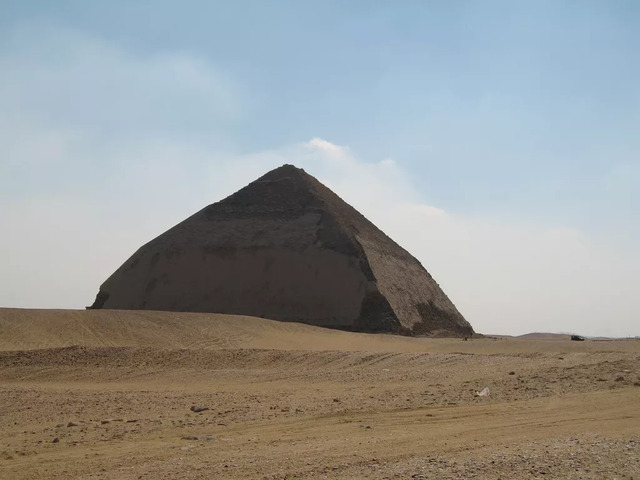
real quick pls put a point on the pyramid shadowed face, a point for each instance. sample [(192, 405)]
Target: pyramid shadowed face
[(285, 247)]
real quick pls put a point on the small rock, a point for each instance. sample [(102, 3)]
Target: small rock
[(104, 422), (337, 400), (512, 372), (620, 379), (636, 384), (71, 424), (133, 420), (195, 437), (485, 392), (55, 440), (197, 409)]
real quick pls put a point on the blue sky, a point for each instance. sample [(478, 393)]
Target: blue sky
[(514, 119)]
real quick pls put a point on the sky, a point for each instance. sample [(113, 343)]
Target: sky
[(497, 141)]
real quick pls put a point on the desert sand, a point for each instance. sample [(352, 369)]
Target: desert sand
[(109, 394)]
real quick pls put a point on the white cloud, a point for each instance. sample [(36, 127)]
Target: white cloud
[(328, 148)]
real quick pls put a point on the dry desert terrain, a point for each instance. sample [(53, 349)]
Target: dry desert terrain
[(109, 394)]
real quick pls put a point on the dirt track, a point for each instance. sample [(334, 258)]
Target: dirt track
[(293, 401)]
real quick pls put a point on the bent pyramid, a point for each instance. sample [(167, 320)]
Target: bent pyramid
[(285, 247)]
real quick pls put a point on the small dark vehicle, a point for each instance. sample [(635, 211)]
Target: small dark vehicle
[(577, 338)]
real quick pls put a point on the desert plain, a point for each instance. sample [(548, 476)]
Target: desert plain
[(108, 394)]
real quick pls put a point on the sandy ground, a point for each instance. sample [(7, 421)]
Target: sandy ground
[(108, 395)]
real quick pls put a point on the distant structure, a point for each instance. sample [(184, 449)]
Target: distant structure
[(285, 247)]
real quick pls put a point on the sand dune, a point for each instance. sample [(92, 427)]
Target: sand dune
[(22, 329), (27, 329)]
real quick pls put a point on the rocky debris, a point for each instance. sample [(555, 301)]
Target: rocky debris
[(72, 424), (592, 458), (55, 440)]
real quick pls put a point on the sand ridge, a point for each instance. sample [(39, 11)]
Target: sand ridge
[(24, 329)]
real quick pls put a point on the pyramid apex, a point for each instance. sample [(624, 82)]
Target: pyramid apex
[(289, 166), (283, 171)]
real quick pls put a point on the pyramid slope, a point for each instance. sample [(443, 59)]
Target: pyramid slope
[(285, 247)]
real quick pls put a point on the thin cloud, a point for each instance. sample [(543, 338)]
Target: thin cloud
[(64, 77)]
